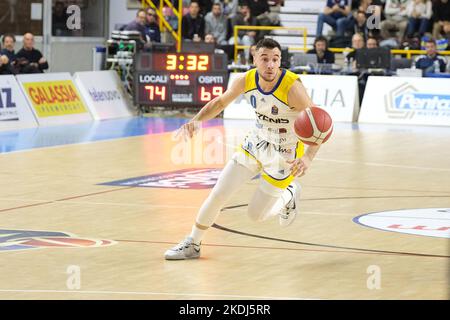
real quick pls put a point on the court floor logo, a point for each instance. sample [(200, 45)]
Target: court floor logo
[(406, 102), (430, 222), (12, 240), (182, 179)]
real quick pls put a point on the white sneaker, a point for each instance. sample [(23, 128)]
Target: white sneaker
[(290, 210), (186, 249)]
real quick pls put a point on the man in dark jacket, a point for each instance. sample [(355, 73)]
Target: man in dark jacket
[(29, 59), (321, 50), (193, 23), (152, 28), (7, 55)]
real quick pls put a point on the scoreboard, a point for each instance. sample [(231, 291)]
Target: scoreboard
[(179, 79)]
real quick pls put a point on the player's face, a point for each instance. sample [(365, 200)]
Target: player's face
[(268, 62)]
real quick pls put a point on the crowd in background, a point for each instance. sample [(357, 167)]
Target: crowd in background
[(26, 60), (404, 24)]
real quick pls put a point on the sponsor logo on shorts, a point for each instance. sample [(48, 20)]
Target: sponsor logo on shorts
[(406, 102), (182, 179), (12, 240), (430, 222)]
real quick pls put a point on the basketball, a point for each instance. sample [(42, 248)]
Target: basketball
[(313, 126)]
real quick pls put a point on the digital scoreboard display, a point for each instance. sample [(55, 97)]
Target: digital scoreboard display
[(179, 79)]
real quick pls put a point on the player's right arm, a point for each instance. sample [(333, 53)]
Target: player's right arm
[(214, 107)]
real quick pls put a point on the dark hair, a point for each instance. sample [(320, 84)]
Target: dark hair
[(8, 35), (267, 43), (321, 39), (373, 38)]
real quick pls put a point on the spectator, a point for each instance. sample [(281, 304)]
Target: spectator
[(209, 38), (357, 43), (372, 43), (9, 42), (4, 65), (216, 23), (152, 32), (29, 59), (244, 18), (441, 18), (360, 24), (321, 50), (261, 11), (427, 62), (59, 20), (419, 12), (230, 8), (193, 23), (337, 14), (396, 20), (138, 24)]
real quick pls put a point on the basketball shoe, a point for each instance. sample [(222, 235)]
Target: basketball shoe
[(186, 249), (291, 209)]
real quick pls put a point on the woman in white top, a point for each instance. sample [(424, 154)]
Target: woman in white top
[(419, 12)]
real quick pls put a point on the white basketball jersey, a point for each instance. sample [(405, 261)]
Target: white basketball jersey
[(274, 118)]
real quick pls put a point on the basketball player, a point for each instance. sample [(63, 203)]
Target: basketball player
[(271, 148)]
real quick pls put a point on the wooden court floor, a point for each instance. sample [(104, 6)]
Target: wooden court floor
[(110, 240)]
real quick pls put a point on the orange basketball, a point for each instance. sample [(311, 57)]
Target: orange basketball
[(313, 126)]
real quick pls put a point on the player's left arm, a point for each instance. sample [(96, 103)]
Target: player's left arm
[(299, 100)]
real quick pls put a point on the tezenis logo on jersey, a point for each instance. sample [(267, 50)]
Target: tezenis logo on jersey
[(271, 120), (11, 240)]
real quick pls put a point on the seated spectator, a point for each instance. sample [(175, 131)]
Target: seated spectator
[(216, 24), (337, 14), (321, 50), (152, 32), (357, 43), (230, 8), (193, 23), (4, 65), (209, 38), (59, 20), (29, 59), (371, 43), (9, 65), (244, 18), (360, 24), (427, 62), (419, 12), (138, 24), (441, 18), (396, 20)]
